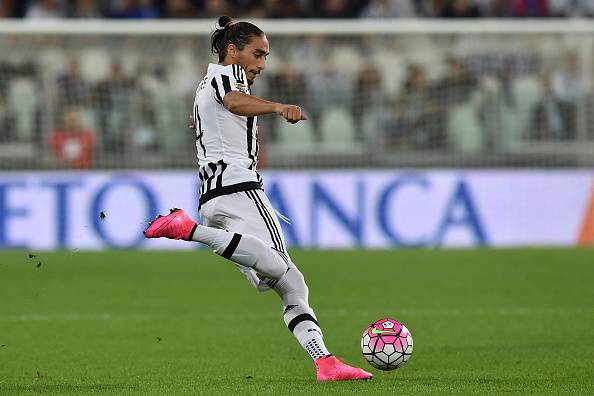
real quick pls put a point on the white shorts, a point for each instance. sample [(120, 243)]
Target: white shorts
[(247, 212)]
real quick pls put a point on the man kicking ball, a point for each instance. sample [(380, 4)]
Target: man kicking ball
[(239, 222)]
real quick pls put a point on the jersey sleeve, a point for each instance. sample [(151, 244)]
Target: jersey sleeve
[(232, 78)]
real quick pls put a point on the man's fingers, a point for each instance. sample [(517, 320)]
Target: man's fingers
[(293, 114)]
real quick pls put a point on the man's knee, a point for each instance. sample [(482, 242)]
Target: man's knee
[(292, 288)]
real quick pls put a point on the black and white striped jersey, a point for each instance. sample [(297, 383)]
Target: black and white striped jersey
[(227, 143)]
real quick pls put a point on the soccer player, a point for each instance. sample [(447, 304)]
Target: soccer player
[(239, 222)]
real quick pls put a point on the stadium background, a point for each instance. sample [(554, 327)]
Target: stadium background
[(454, 123), (436, 101)]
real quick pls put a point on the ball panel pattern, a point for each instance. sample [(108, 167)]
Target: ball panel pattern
[(387, 344)]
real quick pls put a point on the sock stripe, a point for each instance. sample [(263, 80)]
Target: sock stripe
[(271, 282), (301, 318), (192, 232), (232, 246)]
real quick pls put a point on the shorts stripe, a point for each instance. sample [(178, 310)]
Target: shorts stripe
[(283, 256), (271, 230), (273, 224)]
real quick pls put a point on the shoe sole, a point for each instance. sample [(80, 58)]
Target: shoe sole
[(351, 379)]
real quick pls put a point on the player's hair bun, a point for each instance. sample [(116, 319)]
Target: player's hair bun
[(225, 21), (229, 31)]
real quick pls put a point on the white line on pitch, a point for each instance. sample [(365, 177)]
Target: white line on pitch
[(109, 316)]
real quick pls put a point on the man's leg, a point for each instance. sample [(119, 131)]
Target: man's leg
[(256, 242), (299, 317), (242, 249)]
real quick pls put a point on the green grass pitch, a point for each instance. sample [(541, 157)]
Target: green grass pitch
[(188, 323)]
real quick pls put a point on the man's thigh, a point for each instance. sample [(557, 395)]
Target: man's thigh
[(245, 212)]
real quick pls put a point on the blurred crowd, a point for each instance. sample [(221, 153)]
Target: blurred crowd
[(151, 9), (119, 103), (72, 121), (81, 102), (477, 104)]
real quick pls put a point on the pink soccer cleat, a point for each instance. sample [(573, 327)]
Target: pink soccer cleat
[(176, 225), (329, 368)]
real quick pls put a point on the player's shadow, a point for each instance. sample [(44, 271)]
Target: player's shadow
[(17, 389)]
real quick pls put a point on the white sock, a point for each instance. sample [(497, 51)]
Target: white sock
[(298, 315), (304, 325), (243, 249)]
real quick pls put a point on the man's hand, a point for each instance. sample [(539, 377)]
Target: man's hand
[(291, 113)]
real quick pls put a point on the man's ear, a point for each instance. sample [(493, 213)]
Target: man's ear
[(232, 50)]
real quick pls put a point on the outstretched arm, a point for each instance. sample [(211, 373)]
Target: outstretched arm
[(247, 105)]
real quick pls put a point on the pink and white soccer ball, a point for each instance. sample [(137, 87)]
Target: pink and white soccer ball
[(387, 344)]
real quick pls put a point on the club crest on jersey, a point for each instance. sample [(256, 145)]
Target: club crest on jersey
[(241, 87)]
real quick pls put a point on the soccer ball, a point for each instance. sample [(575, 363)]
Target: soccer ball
[(387, 344)]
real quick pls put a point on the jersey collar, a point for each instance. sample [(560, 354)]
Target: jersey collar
[(214, 66)]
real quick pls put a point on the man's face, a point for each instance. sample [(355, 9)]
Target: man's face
[(253, 57)]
